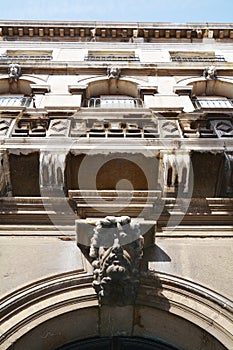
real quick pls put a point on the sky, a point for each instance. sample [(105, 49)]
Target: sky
[(175, 11)]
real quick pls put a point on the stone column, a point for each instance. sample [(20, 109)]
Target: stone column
[(5, 180)]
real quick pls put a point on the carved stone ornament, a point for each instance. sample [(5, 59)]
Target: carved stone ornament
[(113, 72), (14, 72), (210, 73), (116, 247)]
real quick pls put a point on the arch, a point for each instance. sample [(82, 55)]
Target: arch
[(118, 342), (22, 86), (63, 309), (97, 86), (202, 87)]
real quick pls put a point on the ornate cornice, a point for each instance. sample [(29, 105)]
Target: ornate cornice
[(114, 31)]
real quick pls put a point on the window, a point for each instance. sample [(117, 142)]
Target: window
[(116, 101), (212, 102), (111, 56), (15, 101), (184, 56), (27, 54)]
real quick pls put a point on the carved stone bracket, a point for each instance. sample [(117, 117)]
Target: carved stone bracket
[(116, 247)]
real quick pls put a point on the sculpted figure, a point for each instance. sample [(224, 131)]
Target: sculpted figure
[(116, 247), (114, 72), (14, 72), (210, 73)]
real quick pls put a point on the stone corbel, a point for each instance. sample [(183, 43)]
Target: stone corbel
[(115, 249), (40, 89), (147, 90), (185, 90), (78, 90)]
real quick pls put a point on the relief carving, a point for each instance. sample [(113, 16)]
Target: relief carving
[(210, 73), (113, 72), (116, 247), (14, 72)]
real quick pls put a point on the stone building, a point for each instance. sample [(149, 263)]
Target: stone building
[(116, 184)]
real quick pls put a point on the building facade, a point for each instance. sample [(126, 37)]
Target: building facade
[(116, 185)]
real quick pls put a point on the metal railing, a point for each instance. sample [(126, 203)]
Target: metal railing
[(216, 58), (16, 101), (26, 57), (200, 103), (111, 58), (113, 103)]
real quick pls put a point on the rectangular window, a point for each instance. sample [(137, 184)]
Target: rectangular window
[(27, 55), (212, 102), (184, 56), (111, 56), (115, 102), (15, 101)]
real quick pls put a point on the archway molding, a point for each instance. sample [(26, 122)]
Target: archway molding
[(201, 87), (22, 86), (62, 309), (97, 86)]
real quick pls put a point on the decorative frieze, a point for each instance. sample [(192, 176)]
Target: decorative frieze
[(169, 128), (59, 127), (213, 128), (5, 124), (30, 127)]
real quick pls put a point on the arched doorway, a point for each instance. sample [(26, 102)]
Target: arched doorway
[(118, 343)]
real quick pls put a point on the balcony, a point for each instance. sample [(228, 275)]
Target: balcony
[(212, 103), (127, 128), (111, 58), (16, 101), (113, 102), (206, 59)]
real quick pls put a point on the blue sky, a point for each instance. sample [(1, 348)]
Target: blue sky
[(176, 11)]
